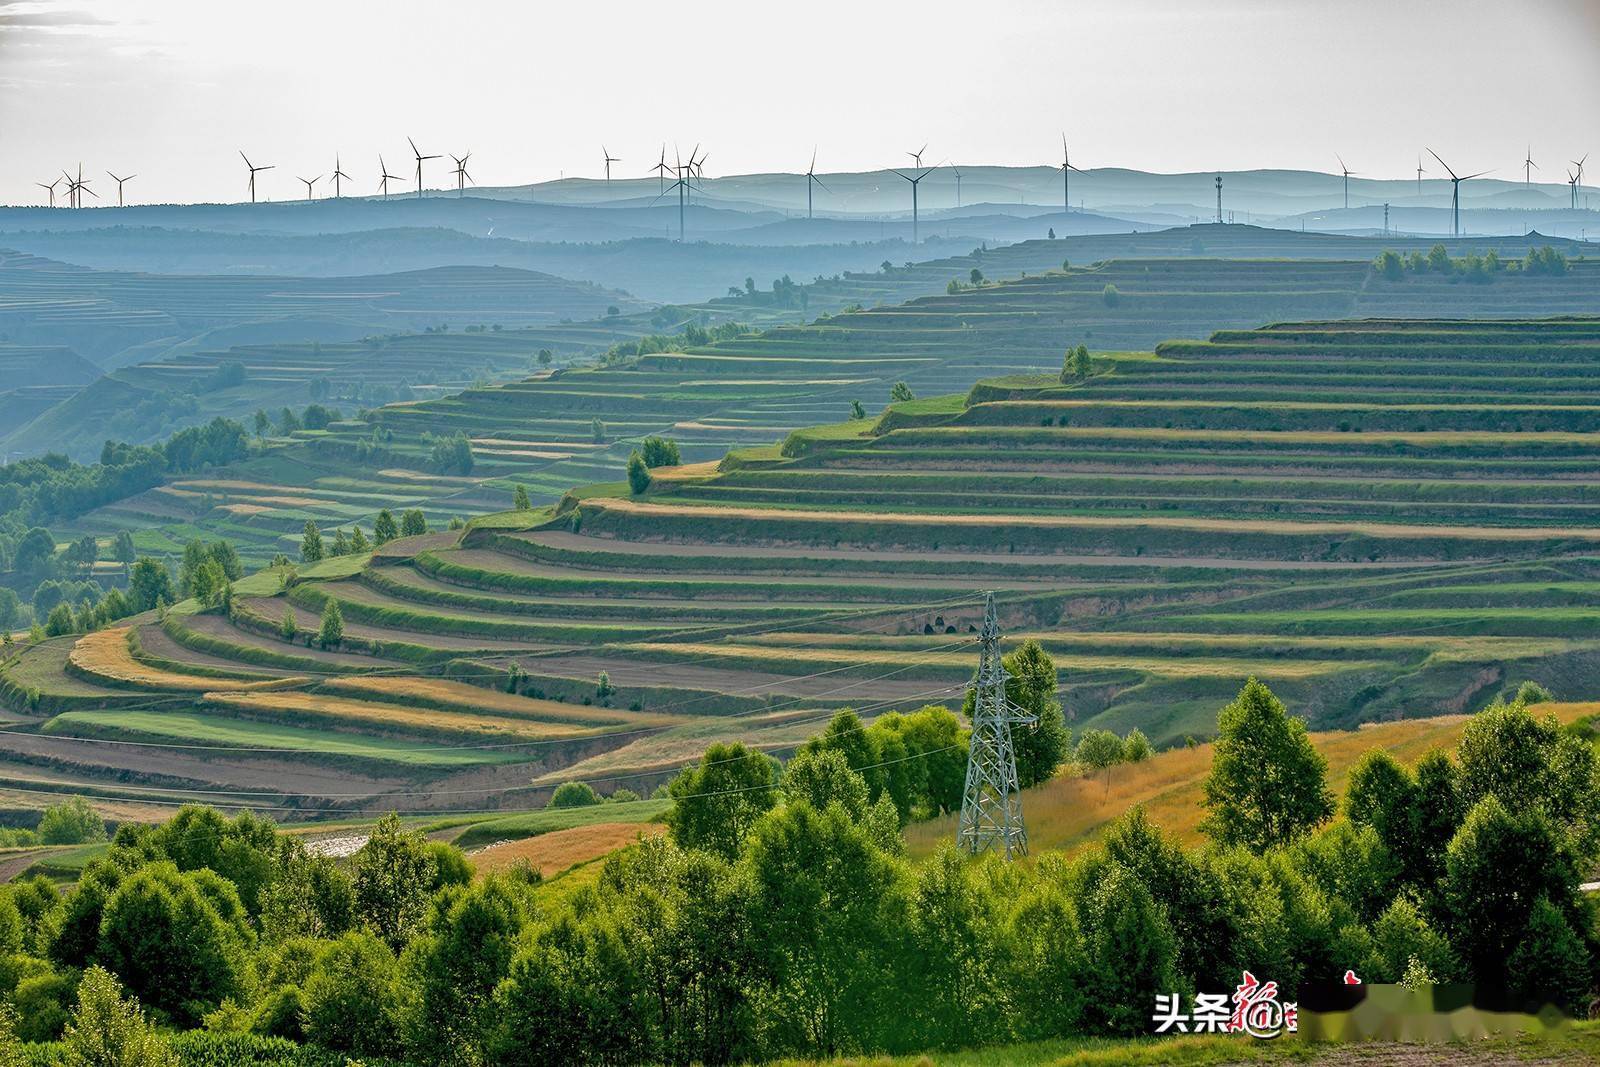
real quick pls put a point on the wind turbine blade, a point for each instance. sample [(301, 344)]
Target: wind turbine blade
[(413, 147), (819, 182), (813, 160), (1480, 174), (1442, 163), (246, 159)]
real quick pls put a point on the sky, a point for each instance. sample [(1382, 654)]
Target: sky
[(171, 90)]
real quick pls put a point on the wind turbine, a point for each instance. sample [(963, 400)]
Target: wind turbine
[(1572, 190), (78, 186), (462, 177), (1455, 193), (338, 172), (684, 172), (384, 177), (812, 179), (1419, 175), (915, 236), (916, 157), (1579, 164), (420, 158), (1066, 175), (51, 189), (309, 182), (119, 182), (1346, 171), (958, 183), (253, 170), (660, 170), (610, 159), (1528, 166)]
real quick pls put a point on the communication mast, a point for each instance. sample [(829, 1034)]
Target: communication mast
[(991, 804)]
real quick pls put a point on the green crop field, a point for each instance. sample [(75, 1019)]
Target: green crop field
[(1383, 552)]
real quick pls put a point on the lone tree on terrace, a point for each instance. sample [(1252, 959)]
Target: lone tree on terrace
[(331, 633), (311, 550), (519, 500), (638, 474), (1268, 785), (901, 393), (384, 529)]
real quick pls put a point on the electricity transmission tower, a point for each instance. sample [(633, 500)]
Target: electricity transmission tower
[(991, 807)]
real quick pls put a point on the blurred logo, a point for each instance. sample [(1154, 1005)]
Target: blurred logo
[(1253, 1009)]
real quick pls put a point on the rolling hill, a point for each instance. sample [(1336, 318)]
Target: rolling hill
[(754, 388), (1381, 518)]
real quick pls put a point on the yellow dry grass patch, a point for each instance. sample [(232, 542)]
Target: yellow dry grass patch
[(1069, 522), (105, 656), (245, 509), (1069, 812), (343, 710), (472, 698), (404, 475), (686, 472), (554, 852)]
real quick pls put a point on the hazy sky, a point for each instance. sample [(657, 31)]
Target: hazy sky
[(172, 89)]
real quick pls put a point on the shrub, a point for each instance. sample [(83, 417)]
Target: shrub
[(660, 452), (573, 795), (72, 822), (900, 393), (638, 474), (1111, 296)]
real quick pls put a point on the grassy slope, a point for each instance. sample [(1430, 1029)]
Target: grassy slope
[(1069, 811)]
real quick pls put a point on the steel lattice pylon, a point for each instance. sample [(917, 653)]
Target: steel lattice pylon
[(991, 807)]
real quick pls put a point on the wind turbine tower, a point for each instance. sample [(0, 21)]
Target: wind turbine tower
[(420, 159), (610, 159), (1528, 167), (915, 218), (253, 171), (308, 183), (51, 189), (462, 177), (958, 183), (1219, 198), (1066, 175), (1455, 192), (338, 173), (384, 177), (812, 179), (119, 182), (1346, 171)]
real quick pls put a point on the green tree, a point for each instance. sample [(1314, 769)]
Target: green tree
[(545, 357), (330, 634), (597, 431), (413, 523), (1099, 750), (164, 937), (311, 550), (60, 621), (519, 500), (820, 778), (109, 1030), (1551, 964), (1136, 746), (638, 474), (384, 529), (573, 795), (900, 393), (123, 552), (394, 873), (1111, 296), (1032, 683), (716, 802), (1499, 866), (821, 892), (150, 584), (341, 544), (288, 627), (472, 936), (1267, 785), (1076, 365), (71, 822), (352, 1002), (1390, 265), (660, 452), (856, 410), (1530, 764), (1439, 259), (976, 276), (1130, 954)]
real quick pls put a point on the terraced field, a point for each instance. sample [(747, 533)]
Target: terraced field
[(541, 432), (1380, 518)]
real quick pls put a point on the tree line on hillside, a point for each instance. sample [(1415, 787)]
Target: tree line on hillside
[(1472, 267), (780, 915)]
